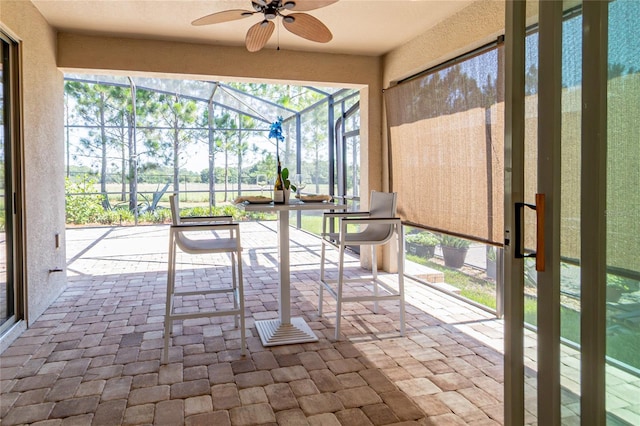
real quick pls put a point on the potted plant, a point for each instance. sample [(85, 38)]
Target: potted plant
[(454, 250), (422, 244)]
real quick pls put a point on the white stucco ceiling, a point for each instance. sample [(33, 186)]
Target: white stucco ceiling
[(367, 27)]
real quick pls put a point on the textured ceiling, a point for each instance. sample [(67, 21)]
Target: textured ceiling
[(366, 27)]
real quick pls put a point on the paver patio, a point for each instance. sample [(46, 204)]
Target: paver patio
[(94, 356)]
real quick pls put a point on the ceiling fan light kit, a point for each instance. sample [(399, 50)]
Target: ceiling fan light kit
[(300, 24)]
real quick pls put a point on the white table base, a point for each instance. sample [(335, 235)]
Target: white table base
[(273, 332), (286, 330)]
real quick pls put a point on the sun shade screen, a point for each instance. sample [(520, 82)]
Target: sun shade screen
[(446, 146)]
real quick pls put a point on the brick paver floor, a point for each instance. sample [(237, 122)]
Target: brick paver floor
[(94, 356)]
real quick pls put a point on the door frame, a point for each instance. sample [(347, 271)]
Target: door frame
[(593, 244), (14, 220), (515, 34)]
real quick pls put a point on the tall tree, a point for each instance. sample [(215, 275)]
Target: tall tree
[(178, 116), (241, 146), (98, 107), (209, 123), (226, 127)]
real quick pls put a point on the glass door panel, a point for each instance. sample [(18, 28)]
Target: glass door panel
[(530, 189), (7, 293), (622, 379), (570, 224), (4, 290)]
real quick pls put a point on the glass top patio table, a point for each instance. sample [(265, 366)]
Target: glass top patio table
[(286, 330)]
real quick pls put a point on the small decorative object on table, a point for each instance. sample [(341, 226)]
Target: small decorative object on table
[(262, 182), (298, 183), (314, 198), (253, 199)]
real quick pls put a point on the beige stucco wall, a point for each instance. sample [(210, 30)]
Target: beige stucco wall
[(42, 117), (479, 23)]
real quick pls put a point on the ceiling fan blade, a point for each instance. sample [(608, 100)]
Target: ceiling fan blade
[(309, 27), (304, 5), (258, 35), (219, 17)]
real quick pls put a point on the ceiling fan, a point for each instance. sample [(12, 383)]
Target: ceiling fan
[(300, 24)]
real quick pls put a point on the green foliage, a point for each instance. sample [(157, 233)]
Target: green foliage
[(482, 297), (491, 253), (620, 345), (450, 241), (82, 206), (285, 179), (422, 238), (162, 215), (312, 224), (223, 210), (626, 284), (196, 211), (456, 277), (111, 217), (156, 216)]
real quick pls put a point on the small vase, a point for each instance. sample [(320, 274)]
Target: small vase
[(287, 195)]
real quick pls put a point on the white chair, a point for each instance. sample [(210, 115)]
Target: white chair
[(381, 224), (201, 235)]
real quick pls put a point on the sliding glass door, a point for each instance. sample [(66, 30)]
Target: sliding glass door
[(572, 213), (9, 308)]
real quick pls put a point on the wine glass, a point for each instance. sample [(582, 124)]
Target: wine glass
[(262, 182), (299, 181)]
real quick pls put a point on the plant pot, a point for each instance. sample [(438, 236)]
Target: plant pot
[(420, 250), (454, 256), (411, 248), (426, 251), (287, 195)]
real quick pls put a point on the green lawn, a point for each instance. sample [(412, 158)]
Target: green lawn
[(623, 344), (473, 288)]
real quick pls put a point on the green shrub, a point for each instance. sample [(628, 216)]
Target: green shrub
[(110, 217), (82, 206), (163, 215), (232, 210), (451, 241), (423, 239)]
